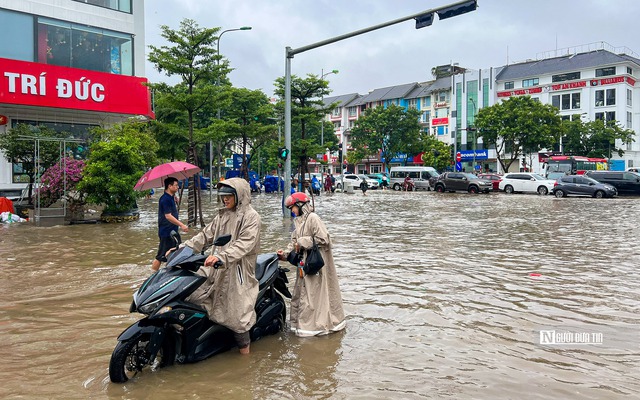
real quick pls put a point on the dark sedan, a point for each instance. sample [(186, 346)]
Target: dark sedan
[(580, 185)]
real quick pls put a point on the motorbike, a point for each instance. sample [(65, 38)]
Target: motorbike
[(176, 331), (408, 185)]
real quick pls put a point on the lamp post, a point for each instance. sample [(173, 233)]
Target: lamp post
[(322, 75), (242, 28), (424, 18), (474, 131)]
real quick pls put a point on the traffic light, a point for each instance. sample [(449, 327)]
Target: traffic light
[(283, 153)]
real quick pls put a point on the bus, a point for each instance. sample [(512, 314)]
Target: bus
[(575, 165)]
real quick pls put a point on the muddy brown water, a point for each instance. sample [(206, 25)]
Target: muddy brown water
[(446, 296)]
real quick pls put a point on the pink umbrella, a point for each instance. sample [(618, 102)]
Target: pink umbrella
[(155, 177)]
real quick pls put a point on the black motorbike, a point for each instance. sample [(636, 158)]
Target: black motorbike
[(176, 331)]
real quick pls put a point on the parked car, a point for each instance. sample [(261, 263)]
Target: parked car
[(371, 182), (624, 182), (454, 181), (419, 174), (494, 178), (580, 185), (353, 180), (526, 182)]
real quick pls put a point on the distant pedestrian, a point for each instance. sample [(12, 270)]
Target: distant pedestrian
[(364, 186), (327, 183), (385, 183)]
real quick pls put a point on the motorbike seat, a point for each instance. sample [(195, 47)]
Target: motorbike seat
[(262, 262)]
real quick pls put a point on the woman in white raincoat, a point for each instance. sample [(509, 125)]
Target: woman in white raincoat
[(316, 305), (230, 292)]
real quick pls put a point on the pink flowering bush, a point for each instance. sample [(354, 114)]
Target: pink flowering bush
[(53, 181)]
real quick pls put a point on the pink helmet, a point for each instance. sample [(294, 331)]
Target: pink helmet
[(297, 199)]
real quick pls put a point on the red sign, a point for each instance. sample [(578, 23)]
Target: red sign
[(631, 81), (458, 157), (607, 81), (440, 121), (520, 92), (42, 85), (571, 85), (3, 120)]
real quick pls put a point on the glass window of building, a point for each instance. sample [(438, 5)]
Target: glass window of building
[(575, 100), (530, 82), (629, 97), (569, 76), (118, 5), (353, 111), (629, 119), (336, 112), (611, 115), (599, 98), (426, 101), (629, 71), (606, 71), (77, 46), (508, 85), (17, 36), (413, 103), (611, 97)]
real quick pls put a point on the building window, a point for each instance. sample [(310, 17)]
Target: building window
[(441, 96), (606, 71), (569, 76), (353, 111), (629, 120), (118, 5), (413, 103), (508, 85), (376, 168), (425, 117), (336, 126), (426, 101), (607, 116), (530, 82), (70, 45), (629, 97), (609, 100), (335, 112), (566, 101), (629, 71)]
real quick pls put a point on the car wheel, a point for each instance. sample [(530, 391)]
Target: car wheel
[(559, 193), (339, 186), (439, 188), (598, 194), (508, 189), (473, 189), (396, 187), (542, 190)]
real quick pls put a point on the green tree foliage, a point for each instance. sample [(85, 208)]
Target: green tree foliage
[(18, 146), (193, 57), (116, 162), (594, 138), (436, 154), (307, 112), (249, 122), (392, 131), (517, 126)]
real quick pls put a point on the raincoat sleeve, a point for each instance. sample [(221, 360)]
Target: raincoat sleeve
[(244, 243), (315, 227), (292, 244), (203, 238)]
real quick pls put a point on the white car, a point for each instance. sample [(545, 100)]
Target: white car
[(354, 181), (526, 182)]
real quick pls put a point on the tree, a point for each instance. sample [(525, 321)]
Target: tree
[(594, 138), (392, 131), (248, 121), (116, 162), (18, 146), (307, 112), (517, 126), (436, 154), (194, 59)]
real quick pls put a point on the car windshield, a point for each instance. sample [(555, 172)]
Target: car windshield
[(469, 176), (538, 177)]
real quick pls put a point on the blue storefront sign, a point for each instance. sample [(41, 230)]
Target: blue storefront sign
[(467, 155)]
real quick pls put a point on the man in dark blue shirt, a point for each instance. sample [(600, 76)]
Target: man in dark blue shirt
[(167, 221)]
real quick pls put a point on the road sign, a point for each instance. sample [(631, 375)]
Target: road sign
[(458, 157), (458, 166)]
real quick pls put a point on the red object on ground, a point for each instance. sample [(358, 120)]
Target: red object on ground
[(6, 205), (534, 274)]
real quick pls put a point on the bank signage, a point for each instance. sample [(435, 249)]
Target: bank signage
[(467, 155), (42, 85)]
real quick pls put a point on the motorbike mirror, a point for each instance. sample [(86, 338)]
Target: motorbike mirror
[(175, 237), (222, 240)]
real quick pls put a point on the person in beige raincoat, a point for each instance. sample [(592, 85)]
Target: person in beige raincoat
[(316, 305), (230, 292)]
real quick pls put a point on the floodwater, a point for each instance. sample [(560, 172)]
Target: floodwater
[(446, 296)]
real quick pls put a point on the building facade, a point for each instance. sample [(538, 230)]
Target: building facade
[(69, 65)]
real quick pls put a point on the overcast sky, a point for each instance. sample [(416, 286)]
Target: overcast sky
[(499, 31)]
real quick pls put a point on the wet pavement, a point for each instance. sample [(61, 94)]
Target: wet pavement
[(446, 296)]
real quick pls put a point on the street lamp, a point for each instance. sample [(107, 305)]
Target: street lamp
[(474, 132), (322, 75), (242, 28)]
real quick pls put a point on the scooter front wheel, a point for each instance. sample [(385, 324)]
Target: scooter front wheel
[(132, 356)]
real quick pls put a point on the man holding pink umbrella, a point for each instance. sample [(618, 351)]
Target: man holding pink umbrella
[(167, 221)]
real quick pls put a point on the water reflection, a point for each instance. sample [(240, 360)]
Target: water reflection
[(444, 295)]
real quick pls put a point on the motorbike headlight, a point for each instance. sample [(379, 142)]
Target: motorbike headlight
[(148, 308), (164, 310)]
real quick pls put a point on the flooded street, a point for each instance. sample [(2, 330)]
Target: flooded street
[(446, 296)]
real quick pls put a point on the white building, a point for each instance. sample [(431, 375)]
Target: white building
[(69, 65)]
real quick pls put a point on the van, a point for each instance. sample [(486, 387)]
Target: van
[(420, 176), (625, 182)]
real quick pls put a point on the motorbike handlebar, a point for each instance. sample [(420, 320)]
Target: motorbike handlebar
[(217, 264)]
